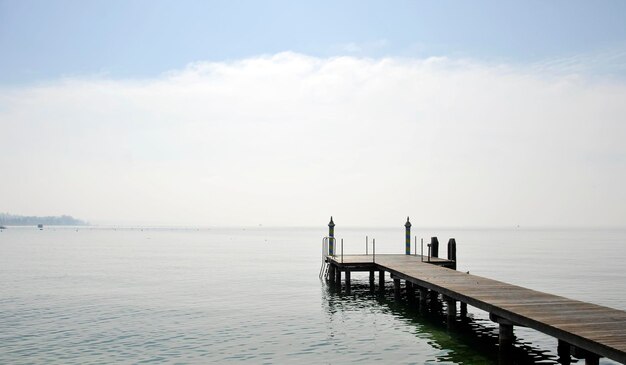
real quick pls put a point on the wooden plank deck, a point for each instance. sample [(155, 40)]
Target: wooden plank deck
[(594, 328)]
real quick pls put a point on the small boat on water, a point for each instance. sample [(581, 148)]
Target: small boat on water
[(40, 226)]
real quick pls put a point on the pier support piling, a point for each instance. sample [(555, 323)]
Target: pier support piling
[(463, 310), (410, 294), (450, 308), (396, 289), (348, 290), (423, 302), (505, 335), (381, 282), (423, 295), (372, 287), (563, 349), (331, 274), (338, 279), (590, 357), (433, 296), (435, 301)]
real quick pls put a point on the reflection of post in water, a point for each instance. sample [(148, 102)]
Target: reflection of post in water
[(467, 338)]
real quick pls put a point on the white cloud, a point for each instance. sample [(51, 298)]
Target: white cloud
[(290, 139)]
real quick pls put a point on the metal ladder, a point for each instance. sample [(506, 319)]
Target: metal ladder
[(325, 253)]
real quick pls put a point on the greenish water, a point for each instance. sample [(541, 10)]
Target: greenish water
[(103, 295)]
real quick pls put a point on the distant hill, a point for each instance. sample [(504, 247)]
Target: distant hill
[(7, 219)]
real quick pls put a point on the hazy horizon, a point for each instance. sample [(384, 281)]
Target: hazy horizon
[(323, 226)]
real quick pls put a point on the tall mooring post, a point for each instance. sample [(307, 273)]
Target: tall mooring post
[(452, 251), (434, 247), (407, 237), (331, 240)]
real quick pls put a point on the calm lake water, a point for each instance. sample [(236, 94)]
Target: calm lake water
[(102, 295)]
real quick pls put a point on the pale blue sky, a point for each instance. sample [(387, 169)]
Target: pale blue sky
[(42, 40), (456, 113)]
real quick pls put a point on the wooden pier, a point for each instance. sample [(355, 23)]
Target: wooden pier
[(584, 330)]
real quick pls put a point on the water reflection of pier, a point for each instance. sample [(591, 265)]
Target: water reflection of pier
[(468, 340)]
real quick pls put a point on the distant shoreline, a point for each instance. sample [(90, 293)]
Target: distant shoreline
[(7, 219)]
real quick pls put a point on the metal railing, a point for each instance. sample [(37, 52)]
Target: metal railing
[(338, 251), (373, 248), (326, 252), (326, 242)]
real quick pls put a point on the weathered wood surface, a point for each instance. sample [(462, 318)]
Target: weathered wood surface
[(598, 329)]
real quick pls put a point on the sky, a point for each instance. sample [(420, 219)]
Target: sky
[(282, 113)]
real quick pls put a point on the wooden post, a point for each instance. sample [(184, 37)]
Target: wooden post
[(372, 288), (450, 308), (423, 299), (434, 247), (410, 293), (331, 234), (407, 237), (433, 296), (423, 295), (463, 312), (381, 282), (505, 337), (338, 278), (450, 312), (396, 289), (452, 251), (435, 304), (348, 291), (563, 350), (331, 274), (590, 357)]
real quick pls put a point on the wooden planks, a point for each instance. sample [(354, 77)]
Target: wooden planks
[(597, 329)]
